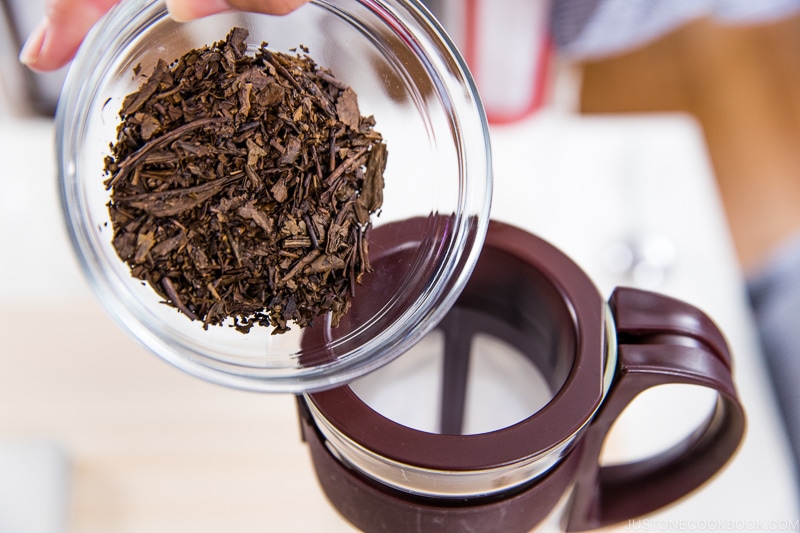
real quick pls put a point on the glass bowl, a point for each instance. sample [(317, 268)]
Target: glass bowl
[(407, 74)]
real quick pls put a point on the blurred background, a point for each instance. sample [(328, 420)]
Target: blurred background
[(669, 163)]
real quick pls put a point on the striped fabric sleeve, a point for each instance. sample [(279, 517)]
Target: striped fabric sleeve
[(591, 29)]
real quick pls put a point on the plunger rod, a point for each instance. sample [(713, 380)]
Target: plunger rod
[(457, 343)]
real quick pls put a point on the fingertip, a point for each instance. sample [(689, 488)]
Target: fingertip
[(186, 10), (272, 7), (48, 48), (57, 37)]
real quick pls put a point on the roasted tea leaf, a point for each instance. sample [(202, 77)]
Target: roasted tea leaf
[(242, 186)]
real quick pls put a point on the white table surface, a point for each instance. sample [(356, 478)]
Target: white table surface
[(141, 447)]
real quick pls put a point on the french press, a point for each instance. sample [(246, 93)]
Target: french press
[(594, 356)]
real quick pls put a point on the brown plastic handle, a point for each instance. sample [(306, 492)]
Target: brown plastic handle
[(660, 341)]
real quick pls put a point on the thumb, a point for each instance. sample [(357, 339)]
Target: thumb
[(185, 10)]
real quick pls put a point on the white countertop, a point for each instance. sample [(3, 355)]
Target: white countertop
[(150, 449)]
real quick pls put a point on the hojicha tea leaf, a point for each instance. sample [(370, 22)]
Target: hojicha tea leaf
[(242, 186)]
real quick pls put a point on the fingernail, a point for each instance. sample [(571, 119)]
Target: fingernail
[(33, 45)]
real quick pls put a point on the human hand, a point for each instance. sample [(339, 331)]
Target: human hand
[(66, 22)]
